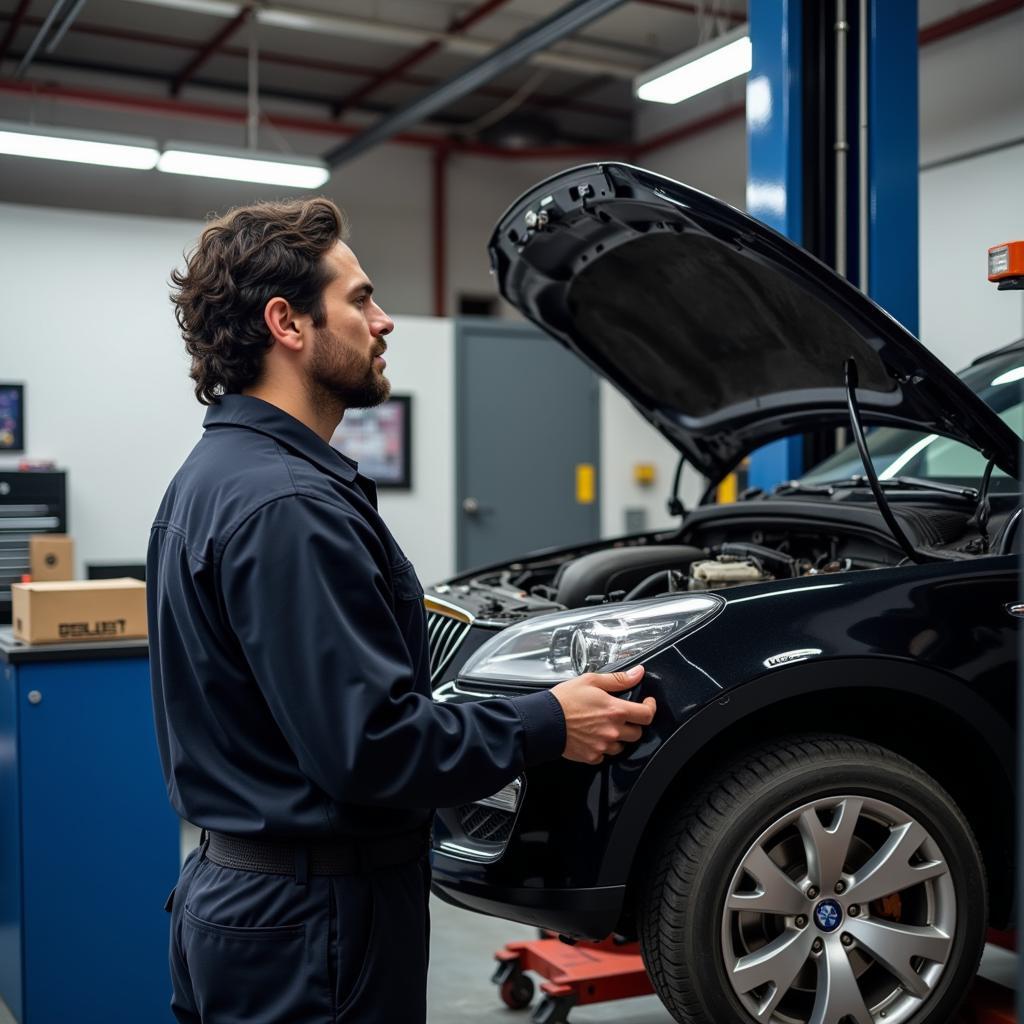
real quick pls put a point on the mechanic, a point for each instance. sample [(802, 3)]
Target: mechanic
[(289, 655)]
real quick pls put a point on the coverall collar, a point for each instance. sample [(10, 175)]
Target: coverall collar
[(266, 418)]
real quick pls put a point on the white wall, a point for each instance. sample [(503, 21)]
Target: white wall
[(972, 98), (626, 440), (92, 333), (107, 390), (966, 207), (421, 362)]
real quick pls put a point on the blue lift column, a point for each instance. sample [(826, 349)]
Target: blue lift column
[(819, 66), (775, 158)]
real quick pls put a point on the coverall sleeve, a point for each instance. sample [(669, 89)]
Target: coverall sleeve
[(305, 592)]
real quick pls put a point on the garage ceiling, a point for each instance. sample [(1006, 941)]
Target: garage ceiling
[(358, 59)]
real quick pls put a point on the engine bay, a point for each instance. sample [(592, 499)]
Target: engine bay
[(718, 547)]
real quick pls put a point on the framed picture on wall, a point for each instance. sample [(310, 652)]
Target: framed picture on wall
[(12, 417), (380, 440)]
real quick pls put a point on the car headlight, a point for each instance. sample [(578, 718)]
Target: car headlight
[(552, 648)]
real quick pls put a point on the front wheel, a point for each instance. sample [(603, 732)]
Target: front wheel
[(815, 880)]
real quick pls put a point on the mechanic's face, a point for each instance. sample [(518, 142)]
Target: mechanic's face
[(346, 362)]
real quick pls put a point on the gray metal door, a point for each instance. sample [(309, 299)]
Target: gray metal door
[(527, 436)]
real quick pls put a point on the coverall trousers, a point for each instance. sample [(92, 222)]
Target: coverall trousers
[(254, 948)]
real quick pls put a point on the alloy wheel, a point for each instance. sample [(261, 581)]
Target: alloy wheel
[(842, 910)]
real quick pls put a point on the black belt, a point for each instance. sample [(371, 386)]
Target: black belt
[(341, 856)]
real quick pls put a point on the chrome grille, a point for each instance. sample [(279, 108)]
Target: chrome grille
[(485, 824), (444, 634)]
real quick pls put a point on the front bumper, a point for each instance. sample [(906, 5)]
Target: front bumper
[(580, 913)]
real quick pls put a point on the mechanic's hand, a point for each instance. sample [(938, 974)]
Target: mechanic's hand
[(596, 723)]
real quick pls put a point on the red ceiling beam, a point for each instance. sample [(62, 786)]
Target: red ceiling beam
[(16, 19), (420, 53), (180, 108), (957, 23), (209, 49), (552, 100)]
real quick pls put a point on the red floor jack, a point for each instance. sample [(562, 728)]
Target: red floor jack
[(586, 972), (600, 972)]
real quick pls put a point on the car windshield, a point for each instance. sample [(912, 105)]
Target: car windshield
[(910, 453)]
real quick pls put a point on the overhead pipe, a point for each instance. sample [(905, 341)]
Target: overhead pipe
[(563, 101), (62, 29), (370, 29), (209, 49), (90, 97), (158, 105), (411, 59), (16, 19), (561, 24), (37, 41)]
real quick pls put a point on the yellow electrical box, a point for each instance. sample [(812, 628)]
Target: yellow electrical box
[(644, 473), (585, 483)]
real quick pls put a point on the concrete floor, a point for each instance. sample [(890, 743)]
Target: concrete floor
[(459, 989)]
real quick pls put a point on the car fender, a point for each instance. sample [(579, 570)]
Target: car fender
[(803, 678)]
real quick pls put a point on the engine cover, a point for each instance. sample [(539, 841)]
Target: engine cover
[(601, 572)]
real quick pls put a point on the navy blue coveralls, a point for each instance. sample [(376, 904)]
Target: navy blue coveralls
[(292, 703)]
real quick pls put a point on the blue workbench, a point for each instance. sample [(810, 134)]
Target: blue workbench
[(89, 846)]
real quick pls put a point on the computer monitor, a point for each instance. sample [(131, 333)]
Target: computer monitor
[(12, 417)]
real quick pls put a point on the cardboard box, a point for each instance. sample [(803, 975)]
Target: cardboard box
[(51, 557), (74, 611)]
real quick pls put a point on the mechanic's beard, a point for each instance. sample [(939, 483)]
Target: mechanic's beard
[(339, 376)]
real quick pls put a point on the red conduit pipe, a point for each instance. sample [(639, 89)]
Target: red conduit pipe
[(178, 108), (967, 19)]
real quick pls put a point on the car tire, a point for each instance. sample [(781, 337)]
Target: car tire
[(721, 930)]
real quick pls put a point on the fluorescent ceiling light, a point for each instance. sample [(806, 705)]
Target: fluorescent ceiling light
[(726, 57), (78, 146), (242, 165)]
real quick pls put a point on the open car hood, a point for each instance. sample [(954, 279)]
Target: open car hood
[(722, 332)]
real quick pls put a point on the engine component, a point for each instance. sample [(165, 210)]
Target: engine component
[(617, 569), (725, 571)]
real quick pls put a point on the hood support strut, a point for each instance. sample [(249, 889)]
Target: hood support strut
[(857, 429)]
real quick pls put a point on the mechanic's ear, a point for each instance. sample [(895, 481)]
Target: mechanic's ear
[(282, 322)]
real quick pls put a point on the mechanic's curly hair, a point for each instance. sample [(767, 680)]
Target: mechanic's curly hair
[(241, 261)]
